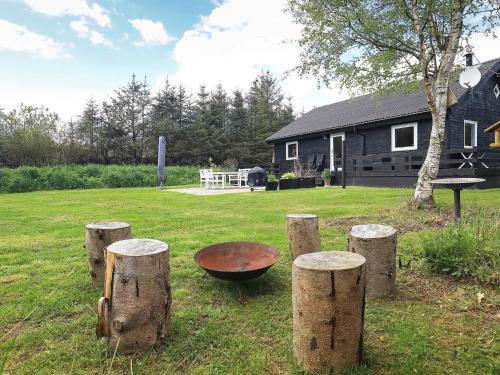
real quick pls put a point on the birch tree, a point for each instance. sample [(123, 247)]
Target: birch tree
[(384, 45)]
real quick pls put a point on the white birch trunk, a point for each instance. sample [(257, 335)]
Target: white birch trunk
[(437, 97)]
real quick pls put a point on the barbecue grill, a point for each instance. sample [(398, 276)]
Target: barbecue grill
[(257, 176)]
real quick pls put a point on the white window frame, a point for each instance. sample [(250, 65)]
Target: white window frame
[(331, 148), (415, 137), (470, 122), (296, 147)]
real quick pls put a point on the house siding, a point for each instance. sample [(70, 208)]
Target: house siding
[(377, 141), (479, 104)]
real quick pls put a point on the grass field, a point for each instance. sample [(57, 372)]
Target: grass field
[(47, 304)]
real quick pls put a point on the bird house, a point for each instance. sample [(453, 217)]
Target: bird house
[(495, 128)]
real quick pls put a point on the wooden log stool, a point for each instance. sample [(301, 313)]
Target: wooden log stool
[(377, 243), (97, 237), (303, 234), (328, 293), (134, 313)]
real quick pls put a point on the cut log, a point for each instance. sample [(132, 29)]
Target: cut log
[(303, 234), (134, 313), (377, 243), (97, 237), (328, 293)]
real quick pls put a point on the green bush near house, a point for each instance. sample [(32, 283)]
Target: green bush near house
[(288, 176), (469, 250), (92, 176), (271, 178)]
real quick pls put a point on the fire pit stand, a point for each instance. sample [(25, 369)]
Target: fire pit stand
[(457, 184)]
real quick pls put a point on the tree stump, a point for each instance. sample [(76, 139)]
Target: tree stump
[(328, 310), (377, 243), (97, 237), (303, 234), (135, 310)]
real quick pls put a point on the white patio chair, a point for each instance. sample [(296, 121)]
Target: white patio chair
[(243, 176), (233, 179), (207, 178)]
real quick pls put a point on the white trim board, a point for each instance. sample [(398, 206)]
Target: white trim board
[(296, 148), (331, 148), (474, 143), (415, 137)]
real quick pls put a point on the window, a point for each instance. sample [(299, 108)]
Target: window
[(470, 134), (496, 91), (292, 150), (404, 137)]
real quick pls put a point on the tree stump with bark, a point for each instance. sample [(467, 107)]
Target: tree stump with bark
[(328, 292), (97, 237), (134, 313), (377, 243), (303, 234)]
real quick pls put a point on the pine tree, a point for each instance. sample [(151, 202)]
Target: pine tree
[(131, 107), (264, 105), (87, 129)]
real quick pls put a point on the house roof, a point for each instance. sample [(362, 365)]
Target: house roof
[(365, 109)]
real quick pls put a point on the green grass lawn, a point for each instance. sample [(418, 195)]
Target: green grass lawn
[(47, 304)]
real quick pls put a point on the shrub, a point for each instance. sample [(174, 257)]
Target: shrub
[(469, 249), (91, 176), (288, 176), (4, 179), (63, 179), (326, 174), (271, 178)]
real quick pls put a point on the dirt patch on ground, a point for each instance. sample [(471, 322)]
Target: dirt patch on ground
[(448, 294), (401, 219)]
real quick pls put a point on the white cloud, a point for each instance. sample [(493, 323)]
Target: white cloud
[(152, 33), (236, 41), (18, 38), (485, 47), (80, 27), (96, 38), (71, 7)]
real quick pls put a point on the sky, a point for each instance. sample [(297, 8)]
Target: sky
[(59, 53)]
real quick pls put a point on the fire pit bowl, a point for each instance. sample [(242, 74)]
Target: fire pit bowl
[(236, 260)]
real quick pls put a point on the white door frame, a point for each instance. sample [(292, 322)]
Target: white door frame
[(331, 147)]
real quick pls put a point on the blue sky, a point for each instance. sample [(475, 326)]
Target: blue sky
[(58, 53)]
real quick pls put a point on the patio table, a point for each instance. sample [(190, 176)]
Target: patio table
[(225, 177)]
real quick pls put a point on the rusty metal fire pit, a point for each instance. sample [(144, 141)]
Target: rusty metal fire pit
[(237, 260)]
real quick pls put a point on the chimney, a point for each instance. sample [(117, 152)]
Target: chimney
[(468, 56)]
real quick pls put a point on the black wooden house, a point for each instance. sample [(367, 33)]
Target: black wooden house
[(385, 138)]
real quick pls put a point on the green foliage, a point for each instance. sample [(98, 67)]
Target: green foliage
[(124, 129), (91, 176), (288, 175), (271, 177), (326, 174), (373, 45), (470, 249)]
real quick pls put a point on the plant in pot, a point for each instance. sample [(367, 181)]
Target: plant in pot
[(326, 175), (272, 182), (288, 181)]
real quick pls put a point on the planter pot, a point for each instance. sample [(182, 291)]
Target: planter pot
[(291, 183), (307, 182), (328, 182), (272, 185)]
